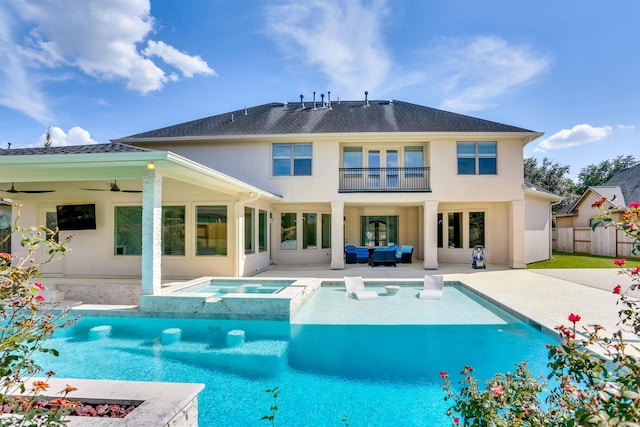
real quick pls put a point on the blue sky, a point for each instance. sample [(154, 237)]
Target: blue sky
[(95, 70)]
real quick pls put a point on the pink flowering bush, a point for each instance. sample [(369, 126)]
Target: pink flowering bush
[(25, 325), (583, 388)]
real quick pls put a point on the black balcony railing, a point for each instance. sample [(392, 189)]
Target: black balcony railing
[(364, 180)]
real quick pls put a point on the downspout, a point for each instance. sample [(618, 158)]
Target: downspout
[(239, 231)]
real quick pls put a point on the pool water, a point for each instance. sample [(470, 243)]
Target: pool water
[(220, 287), (375, 374)]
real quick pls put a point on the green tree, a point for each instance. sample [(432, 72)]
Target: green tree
[(552, 177), (593, 175)]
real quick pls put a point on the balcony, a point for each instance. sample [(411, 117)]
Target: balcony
[(386, 180)]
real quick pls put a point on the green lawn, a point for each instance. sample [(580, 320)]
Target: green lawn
[(569, 260)]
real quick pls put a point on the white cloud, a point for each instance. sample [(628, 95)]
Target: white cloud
[(100, 38), (18, 90), (578, 135), (74, 136), (188, 65), (342, 39), (474, 73)]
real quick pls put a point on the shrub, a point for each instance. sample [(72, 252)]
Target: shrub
[(26, 323)]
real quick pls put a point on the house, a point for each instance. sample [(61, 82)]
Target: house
[(287, 183), (574, 223)]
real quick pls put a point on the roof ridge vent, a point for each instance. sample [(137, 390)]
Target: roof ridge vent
[(246, 111), (314, 100), (366, 98), (322, 101), (301, 101), (329, 100)]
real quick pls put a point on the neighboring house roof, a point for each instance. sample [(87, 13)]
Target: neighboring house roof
[(620, 190), (74, 149), (341, 117), (629, 182), (613, 194)]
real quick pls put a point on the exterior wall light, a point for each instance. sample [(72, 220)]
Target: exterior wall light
[(151, 166)]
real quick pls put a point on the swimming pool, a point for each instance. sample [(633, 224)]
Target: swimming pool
[(326, 365)]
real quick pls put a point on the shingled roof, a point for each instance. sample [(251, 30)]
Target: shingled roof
[(628, 180), (114, 147), (340, 117)]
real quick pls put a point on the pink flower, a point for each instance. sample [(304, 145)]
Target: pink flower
[(617, 290), (634, 205), (5, 255), (39, 286), (574, 318), (619, 262), (598, 202), (497, 389), (39, 297), (456, 420), (443, 374), (634, 271)]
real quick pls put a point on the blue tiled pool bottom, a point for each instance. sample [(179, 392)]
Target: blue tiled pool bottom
[(459, 306)]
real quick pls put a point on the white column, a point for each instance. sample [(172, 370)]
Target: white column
[(430, 230), (516, 234), (151, 233), (337, 235)]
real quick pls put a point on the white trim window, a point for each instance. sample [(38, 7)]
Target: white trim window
[(461, 229), (477, 158), (292, 159)]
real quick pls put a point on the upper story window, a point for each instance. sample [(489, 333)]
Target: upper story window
[(292, 159), (477, 158), (352, 157)]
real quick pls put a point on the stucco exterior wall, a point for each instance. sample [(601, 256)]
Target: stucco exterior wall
[(496, 233), (250, 161), (92, 251), (537, 229)]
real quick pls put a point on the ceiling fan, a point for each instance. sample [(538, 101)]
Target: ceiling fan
[(13, 190), (113, 186)]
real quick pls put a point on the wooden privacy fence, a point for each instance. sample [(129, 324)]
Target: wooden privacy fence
[(601, 241)]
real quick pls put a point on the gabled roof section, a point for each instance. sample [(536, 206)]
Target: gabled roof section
[(114, 147), (629, 182), (339, 117), (622, 189), (612, 193)]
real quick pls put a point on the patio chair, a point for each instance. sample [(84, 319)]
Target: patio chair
[(404, 254), (355, 288), (350, 254), (432, 289)]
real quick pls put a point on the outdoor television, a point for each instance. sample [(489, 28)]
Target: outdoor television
[(76, 217)]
